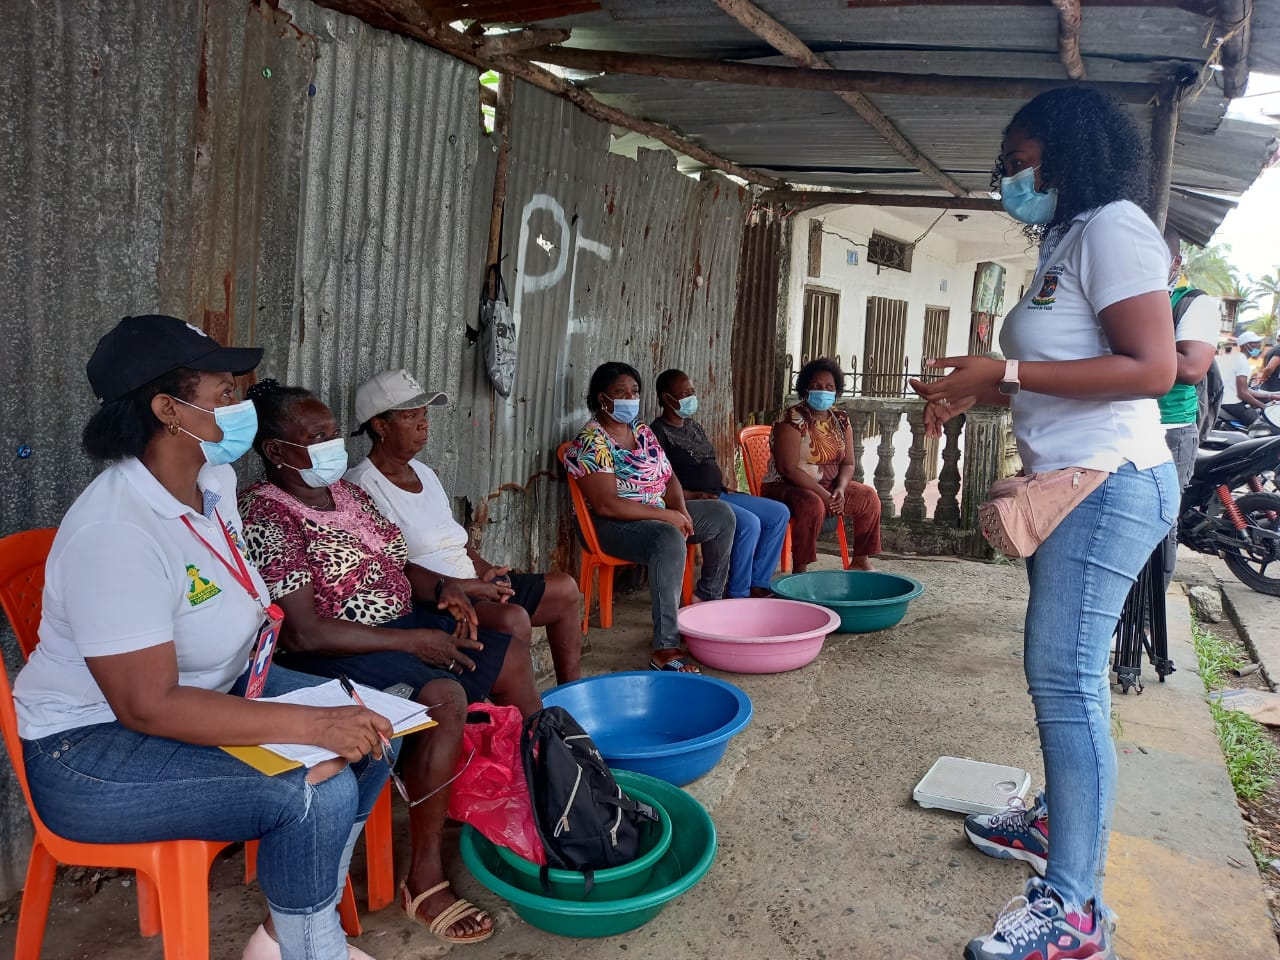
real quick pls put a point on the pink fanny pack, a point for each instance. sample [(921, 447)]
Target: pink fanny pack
[(1023, 511)]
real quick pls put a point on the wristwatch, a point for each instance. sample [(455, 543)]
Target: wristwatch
[(1009, 383)]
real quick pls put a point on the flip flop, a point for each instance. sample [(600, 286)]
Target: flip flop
[(460, 909), (676, 665)]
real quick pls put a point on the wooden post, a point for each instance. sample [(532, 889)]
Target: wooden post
[(1069, 37), (501, 130), (1164, 130), (784, 41), (1233, 56)]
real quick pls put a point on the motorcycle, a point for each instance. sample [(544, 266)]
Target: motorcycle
[(1227, 511)]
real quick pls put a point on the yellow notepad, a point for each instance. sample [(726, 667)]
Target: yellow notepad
[(405, 716)]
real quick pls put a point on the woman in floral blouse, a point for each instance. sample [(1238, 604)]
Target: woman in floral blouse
[(811, 470), (354, 607), (639, 509)]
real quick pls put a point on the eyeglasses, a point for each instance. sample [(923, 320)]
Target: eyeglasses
[(404, 791)]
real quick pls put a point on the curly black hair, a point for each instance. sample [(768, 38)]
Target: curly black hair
[(815, 367), (604, 375), (274, 403), (123, 427), (1091, 152)]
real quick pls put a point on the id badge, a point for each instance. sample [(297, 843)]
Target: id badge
[(262, 651)]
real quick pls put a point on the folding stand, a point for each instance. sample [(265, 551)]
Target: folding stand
[(1143, 628)]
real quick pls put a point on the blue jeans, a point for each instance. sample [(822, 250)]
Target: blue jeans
[(105, 783), (757, 541), (1080, 577), (662, 548)]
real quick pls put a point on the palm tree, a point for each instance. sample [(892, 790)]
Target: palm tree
[(1209, 268), (1268, 285)]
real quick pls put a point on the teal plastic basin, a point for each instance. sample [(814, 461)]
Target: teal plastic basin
[(611, 883), (865, 600), (687, 860)]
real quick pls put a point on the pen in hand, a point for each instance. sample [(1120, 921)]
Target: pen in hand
[(348, 686)]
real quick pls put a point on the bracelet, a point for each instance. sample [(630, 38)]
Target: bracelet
[(439, 588)]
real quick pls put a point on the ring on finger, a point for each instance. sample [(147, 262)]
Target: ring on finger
[(452, 664)]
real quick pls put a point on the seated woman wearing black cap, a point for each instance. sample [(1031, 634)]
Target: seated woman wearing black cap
[(151, 620), (354, 606)]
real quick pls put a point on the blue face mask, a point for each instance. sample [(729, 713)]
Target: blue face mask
[(687, 406), (239, 425), (328, 462), (625, 411), (1021, 200), (820, 399)]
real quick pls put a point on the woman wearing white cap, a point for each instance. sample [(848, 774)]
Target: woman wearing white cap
[(391, 409)]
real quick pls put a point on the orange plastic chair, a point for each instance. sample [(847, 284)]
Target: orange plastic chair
[(754, 443), (172, 875), (594, 558)]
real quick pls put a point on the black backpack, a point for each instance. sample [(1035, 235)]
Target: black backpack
[(584, 819), (1209, 390)]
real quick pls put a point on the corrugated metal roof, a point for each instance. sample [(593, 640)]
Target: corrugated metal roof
[(812, 137)]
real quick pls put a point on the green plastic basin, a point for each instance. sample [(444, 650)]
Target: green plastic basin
[(611, 883), (865, 600), (687, 860)]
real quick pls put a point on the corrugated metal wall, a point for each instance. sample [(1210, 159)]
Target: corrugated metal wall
[(292, 178), (606, 259), (383, 272), (757, 363)]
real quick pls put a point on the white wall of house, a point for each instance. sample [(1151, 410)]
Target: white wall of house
[(941, 275)]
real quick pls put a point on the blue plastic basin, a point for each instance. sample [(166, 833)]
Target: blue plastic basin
[(675, 726)]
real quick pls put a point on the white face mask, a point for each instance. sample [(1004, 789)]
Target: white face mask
[(328, 462)]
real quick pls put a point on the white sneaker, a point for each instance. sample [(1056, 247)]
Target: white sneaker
[(262, 946)]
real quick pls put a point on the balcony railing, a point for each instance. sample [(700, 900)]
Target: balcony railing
[(976, 450)]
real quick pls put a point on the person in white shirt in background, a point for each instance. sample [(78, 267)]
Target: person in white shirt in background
[(1196, 318), (1240, 401), (391, 409)]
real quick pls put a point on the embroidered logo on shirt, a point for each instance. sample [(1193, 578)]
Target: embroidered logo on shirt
[(1048, 287), (200, 588)]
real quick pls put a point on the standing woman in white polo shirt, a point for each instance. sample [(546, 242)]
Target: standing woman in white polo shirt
[(151, 621), (1090, 346)]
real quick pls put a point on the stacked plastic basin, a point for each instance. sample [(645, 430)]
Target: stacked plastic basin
[(657, 731)]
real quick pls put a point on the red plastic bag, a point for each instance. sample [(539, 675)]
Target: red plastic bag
[(491, 793)]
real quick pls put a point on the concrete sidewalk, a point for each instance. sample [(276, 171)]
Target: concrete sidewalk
[(823, 854)]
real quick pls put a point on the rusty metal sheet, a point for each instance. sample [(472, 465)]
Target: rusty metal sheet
[(607, 258)]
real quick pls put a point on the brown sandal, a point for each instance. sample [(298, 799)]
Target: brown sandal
[(460, 909)]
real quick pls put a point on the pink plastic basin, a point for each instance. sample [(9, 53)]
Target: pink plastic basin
[(756, 635)]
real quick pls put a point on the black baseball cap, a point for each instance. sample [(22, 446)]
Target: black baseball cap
[(138, 349)]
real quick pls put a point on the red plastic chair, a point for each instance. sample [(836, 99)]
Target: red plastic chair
[(594, 558), (172, 875), (753, 441)]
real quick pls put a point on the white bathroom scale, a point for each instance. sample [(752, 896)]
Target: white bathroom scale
[(971, 786)]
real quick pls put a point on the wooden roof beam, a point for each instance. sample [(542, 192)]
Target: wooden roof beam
[(818, 198), (800, 78), (504, 43), (408, 18), (786, 42), (1069, 37)]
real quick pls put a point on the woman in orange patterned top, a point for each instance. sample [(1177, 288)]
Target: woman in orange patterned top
[(811, 470)]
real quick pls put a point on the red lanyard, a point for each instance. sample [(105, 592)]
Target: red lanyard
[(241, 575)]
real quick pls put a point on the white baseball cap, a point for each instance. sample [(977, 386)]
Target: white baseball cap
[(1247, 338), (392, 390)]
